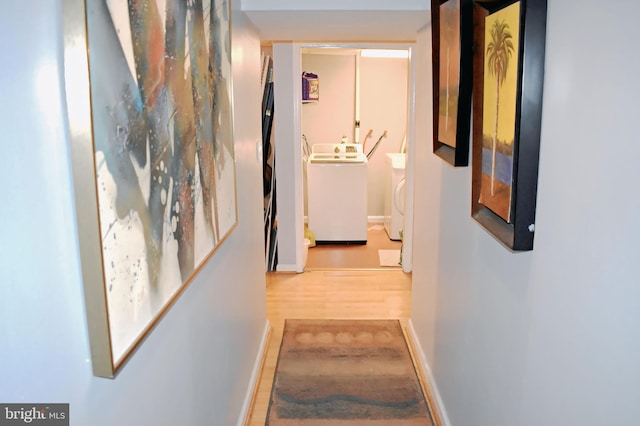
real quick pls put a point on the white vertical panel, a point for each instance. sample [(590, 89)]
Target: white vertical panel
[(287, 72)]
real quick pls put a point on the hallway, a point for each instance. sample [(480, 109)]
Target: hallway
[(548, 336), (373, 294)]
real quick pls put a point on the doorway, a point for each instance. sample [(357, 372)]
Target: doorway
[(363, 102), (289, 153)]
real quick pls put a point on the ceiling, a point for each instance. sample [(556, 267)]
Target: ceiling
[(348, 20)]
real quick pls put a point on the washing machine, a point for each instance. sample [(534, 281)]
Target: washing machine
[(394, 197), (337, 193)]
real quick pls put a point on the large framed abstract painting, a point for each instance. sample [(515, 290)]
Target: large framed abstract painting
[(452, 31), (154, 168), (509, 41)]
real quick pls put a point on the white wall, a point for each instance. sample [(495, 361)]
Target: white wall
[(332, 117), (427, 183), (550, 336), (195, 366), (383, 106), (288, 156)]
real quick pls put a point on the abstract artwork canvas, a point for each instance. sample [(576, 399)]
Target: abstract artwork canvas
[(449, 71), (163, 155), (501, 56)]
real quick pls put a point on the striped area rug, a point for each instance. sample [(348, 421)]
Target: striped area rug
[(346, 372)]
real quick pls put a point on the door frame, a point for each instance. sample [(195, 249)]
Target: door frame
[(287, 69)]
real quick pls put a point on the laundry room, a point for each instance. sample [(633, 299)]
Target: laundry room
[(360, 98)]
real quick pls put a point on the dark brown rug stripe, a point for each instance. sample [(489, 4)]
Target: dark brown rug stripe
[(339, 372)]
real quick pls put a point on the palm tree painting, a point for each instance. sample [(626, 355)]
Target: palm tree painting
[(502, 30), (449, 71)]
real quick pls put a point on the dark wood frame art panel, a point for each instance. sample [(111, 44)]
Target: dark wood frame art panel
[(458, 156), (519, 234)]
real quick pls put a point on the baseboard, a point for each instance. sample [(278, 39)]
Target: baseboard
[(254, 380), (371, 219), (431, 381), (283, 267)]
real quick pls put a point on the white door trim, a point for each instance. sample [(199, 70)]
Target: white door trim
[(287, 59)]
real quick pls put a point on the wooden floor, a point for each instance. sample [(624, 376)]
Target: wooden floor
[(353, 256), (339, 282), (333, 294)]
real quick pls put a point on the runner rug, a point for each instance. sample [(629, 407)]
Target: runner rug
[(346, 372)]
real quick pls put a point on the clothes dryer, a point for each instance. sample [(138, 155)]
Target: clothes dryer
[(394, 195)]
